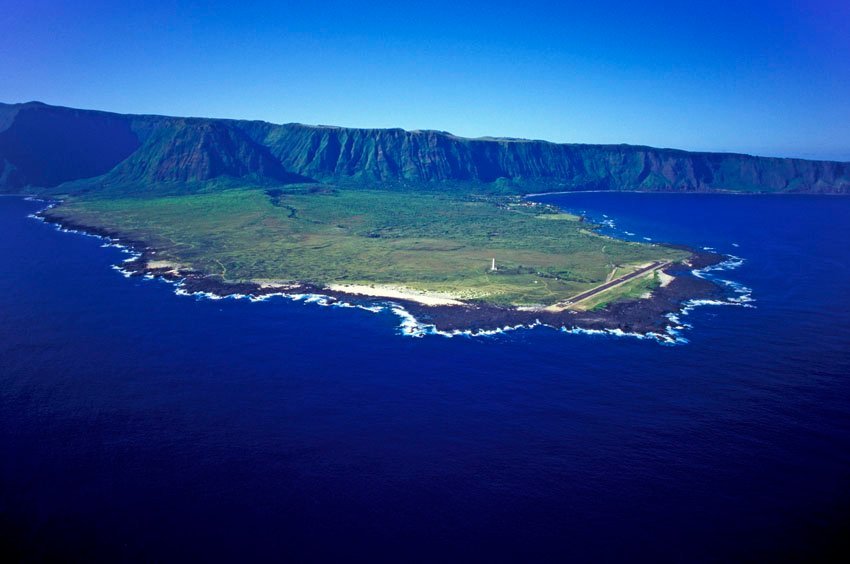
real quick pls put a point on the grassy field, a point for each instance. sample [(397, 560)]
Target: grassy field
[(433, 242)]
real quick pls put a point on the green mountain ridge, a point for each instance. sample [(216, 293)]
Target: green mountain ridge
[(57, 148)]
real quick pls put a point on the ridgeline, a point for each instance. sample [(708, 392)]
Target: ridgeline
[(51, 149)]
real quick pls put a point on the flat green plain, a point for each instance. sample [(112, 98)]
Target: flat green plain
[(432, 242)]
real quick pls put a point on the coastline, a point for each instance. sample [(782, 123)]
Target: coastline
[(655, 316), (727, 192)]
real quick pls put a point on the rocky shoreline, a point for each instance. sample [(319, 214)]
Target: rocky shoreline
[(645, 316)]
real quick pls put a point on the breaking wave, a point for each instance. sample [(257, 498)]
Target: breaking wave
[(741, 295)]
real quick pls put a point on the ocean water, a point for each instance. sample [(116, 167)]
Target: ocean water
[(136, 424)]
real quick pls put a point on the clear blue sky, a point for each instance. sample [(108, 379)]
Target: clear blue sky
[(767, 77)]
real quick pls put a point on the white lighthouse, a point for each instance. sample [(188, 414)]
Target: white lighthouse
[(493, 265)]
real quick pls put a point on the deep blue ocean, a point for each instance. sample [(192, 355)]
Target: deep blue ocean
[(136, 424)]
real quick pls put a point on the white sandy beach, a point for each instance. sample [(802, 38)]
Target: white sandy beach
[(397, 292)]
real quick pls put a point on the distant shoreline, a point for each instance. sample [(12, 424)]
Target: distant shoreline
[(694, 193)]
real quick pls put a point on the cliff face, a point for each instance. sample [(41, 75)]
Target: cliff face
[(427, 156), (45, 146), (185, 150)]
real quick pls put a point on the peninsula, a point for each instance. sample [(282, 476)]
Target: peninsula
[(425, 219)]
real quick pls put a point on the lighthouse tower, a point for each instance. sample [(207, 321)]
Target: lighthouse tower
[(493, 265)]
